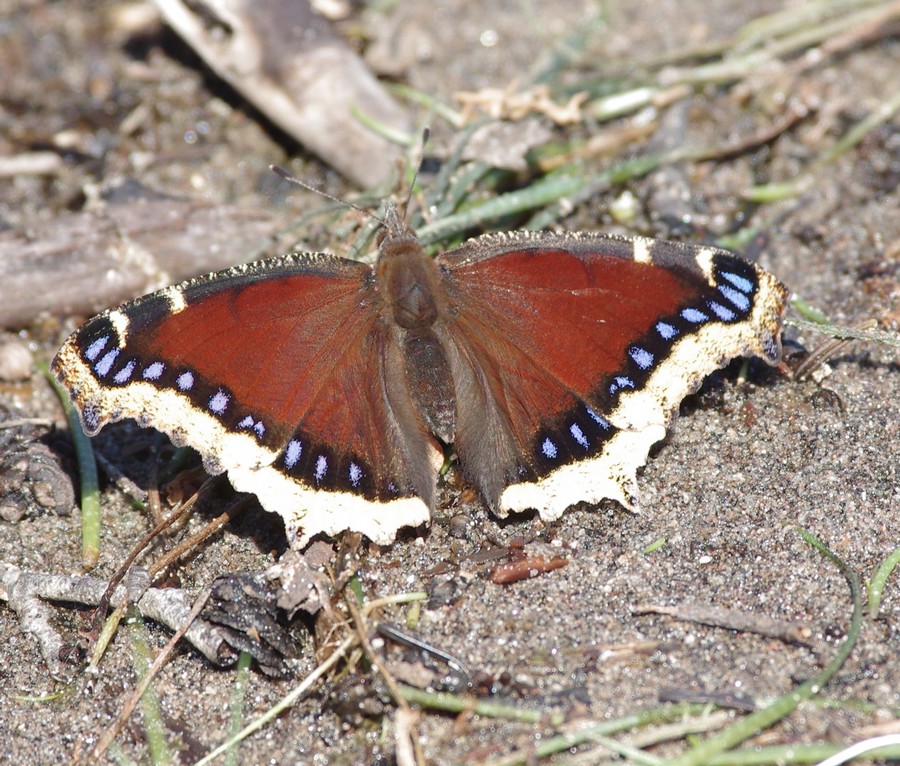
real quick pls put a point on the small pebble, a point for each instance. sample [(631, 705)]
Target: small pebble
[(15, 362)]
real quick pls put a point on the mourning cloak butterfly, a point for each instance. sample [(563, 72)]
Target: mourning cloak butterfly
[(552, 362)]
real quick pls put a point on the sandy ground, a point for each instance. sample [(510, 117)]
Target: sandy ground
[(745, 465)]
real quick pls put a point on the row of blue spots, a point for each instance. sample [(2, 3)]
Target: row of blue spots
[(551, 451), (736, 293), (218, 402), (725, 314), (152, 371), (294, 450)]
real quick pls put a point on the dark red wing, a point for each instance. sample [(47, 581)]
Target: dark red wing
[(571, 354), (276, 373)]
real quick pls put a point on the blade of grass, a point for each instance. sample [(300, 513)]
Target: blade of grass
[(237, 705), (154, 730), (546, 190), (457, 703), (87, 472), (837, 331), (437, 107), (388, 132), (879, 580), (808, 311), (738, 67), (761, 30)]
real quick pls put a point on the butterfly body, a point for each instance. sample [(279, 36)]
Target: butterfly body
[(552, 363)]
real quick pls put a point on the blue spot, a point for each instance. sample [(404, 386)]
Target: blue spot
[(292, 453), (93, 351), (185, 381), (355, 474), (218, 402), (642, 357), (741, 283), (733, 296), (578, 435), (321, 467), (620, 382), (124, 374), (153, 371), (247, 422), (602, 422), (259, 428), (106, 362), (549, 449), (666, 331), (694, 316), (723, 312)]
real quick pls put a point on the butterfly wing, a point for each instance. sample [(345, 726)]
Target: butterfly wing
[(571, 353), (277, 372)]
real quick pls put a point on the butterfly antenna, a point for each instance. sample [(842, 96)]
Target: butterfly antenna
[(280, 171), (426, 132)]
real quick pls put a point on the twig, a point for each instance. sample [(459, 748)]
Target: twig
[(28, 592), (732, 619), (409, 719), (206, 531)]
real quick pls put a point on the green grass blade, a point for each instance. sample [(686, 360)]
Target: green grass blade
[(87, 472)]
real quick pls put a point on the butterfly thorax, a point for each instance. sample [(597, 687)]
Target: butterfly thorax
[(409, 282)]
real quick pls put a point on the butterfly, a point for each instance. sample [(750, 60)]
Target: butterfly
[(329, 388)]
